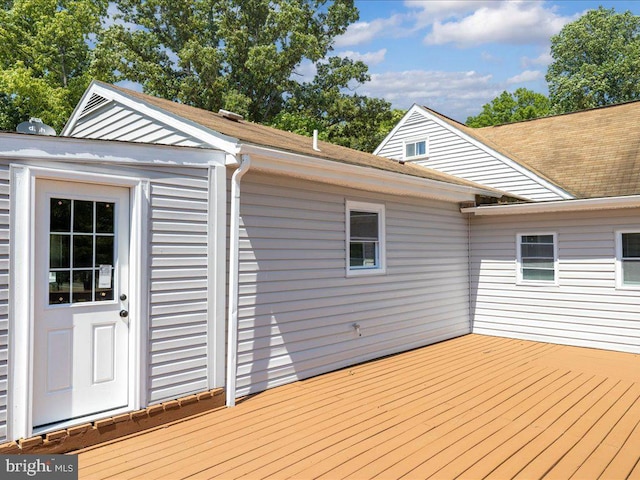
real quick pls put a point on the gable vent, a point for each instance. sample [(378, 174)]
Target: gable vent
[(94, 102)]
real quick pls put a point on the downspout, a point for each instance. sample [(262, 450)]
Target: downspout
[(234, 267), (469, 272)]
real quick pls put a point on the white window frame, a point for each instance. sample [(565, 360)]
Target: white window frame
[(619, 260), (409, 141), (520, 278), (379, 209)]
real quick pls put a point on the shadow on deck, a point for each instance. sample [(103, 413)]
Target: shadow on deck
[(471, 407)]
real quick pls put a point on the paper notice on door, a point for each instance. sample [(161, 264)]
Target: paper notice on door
[(104, 278)]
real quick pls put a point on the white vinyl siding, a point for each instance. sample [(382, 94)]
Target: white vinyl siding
[(4, 296), (449, 152), (112, 121), (297, 310), (179, 279), (584, 309)]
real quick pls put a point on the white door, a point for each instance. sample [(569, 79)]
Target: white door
[(81, 329)]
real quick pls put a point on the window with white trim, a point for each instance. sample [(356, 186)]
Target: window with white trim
[(537, 258), (628, 259), (365, 238), (417, 148)]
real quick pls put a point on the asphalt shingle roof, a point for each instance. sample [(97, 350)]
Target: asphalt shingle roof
[(256, 134), (593, 153)]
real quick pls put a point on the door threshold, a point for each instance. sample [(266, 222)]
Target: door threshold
[(51, 427), (80, 433)]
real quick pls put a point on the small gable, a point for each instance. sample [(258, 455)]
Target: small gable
[(98, 117), (449, 149)]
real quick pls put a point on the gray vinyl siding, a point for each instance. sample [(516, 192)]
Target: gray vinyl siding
[(296, 305), (584, 309), (4, 296), (452, 154), (111, 121), (179, 279)]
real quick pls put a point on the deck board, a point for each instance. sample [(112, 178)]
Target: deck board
[(472, 407)]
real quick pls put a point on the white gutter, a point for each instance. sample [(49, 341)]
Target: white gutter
[(234, 267), (357, 176), (589, 204)]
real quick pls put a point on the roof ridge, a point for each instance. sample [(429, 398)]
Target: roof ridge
[(556, 115)]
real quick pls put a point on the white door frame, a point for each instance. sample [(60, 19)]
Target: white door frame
[(22, 288)]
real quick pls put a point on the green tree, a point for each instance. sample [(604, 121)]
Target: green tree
[(523, 104), (234, 54), (341, 117), (596, 61), (45, 57)]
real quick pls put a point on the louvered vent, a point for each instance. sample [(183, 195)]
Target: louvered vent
[(415, 117), (94, 102)]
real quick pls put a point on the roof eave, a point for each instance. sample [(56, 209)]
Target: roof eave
[(580, 205), (279, 162)]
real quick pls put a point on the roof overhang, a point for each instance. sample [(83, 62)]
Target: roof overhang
[(582, 205), (273, 161), (15, 146)]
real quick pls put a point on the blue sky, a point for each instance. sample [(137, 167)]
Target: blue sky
[(455, 56)]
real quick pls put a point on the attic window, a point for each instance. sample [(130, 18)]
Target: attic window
[(94, 102), (416, 148)]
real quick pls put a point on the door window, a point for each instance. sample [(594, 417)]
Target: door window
[(81, 251)]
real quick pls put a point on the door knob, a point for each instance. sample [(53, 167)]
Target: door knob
[(124, 313)]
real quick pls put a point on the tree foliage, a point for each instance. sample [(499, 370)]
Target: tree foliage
[(523, 104), (241, 55), (596, 61), (347, 119), (234, 54), (45, 58)]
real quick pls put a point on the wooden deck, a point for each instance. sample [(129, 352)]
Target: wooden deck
[(473, 407)]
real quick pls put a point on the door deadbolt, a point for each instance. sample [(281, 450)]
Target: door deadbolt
[(123, 297)]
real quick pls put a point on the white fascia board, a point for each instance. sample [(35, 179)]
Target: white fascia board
[(583, 205), (16, 146), (414, 108), (214, 139), (355, 176), (515, 165)]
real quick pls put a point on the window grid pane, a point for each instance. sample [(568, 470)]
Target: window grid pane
[(537, 257), (630, 245), (76, 251), (631, 272), (364, 241), (415, 149)]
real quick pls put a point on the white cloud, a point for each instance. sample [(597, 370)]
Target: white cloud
[(364, 32), (370, 58), (455, 94), (430, 11), (490, 58), (305, 72), (513, 22), (542, 60), (524, 77)]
